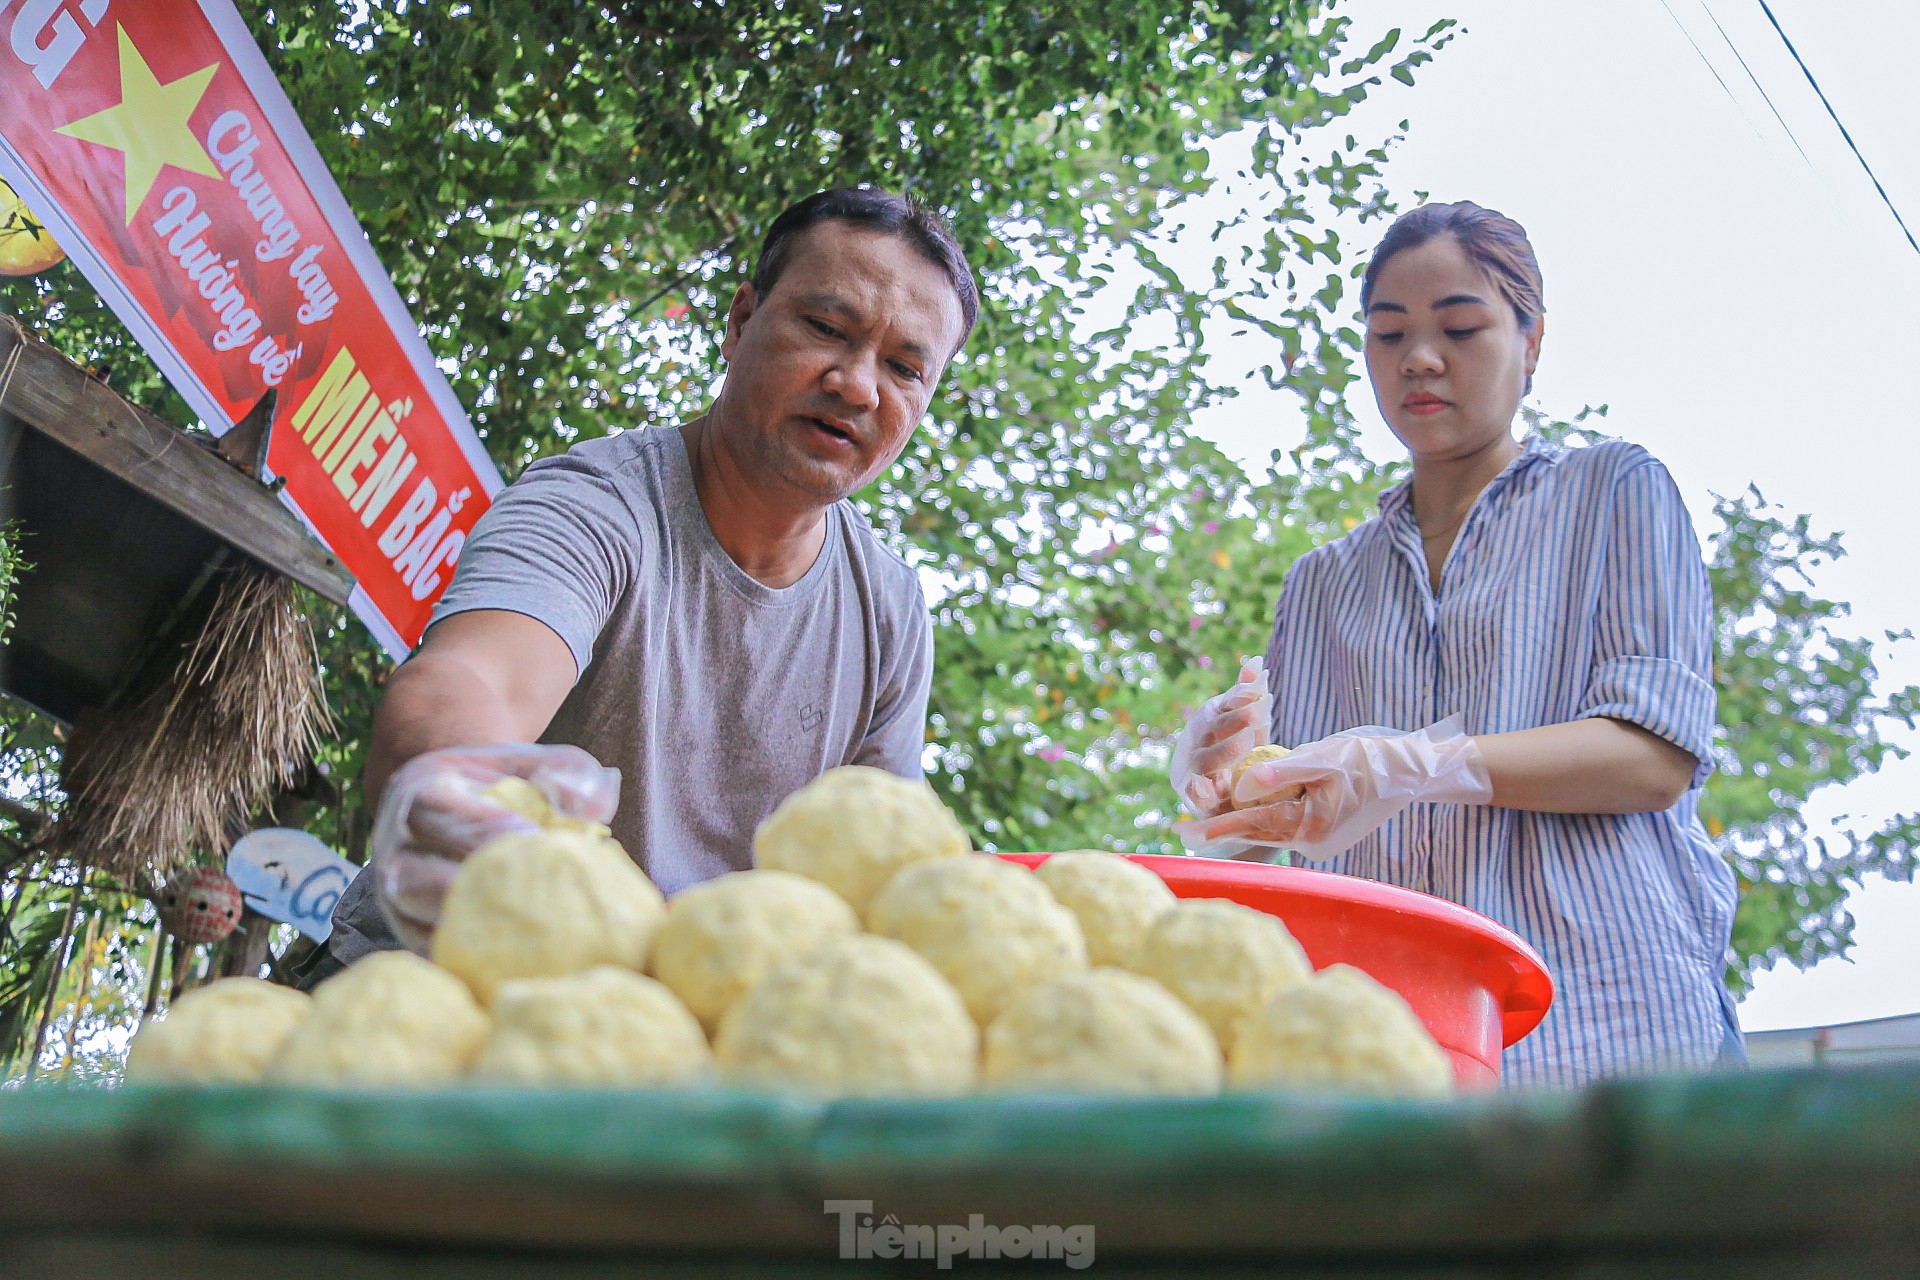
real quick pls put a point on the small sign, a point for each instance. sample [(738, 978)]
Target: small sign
[(290, 876)]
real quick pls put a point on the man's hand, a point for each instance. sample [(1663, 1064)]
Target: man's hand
[(437, 809), (458, 716)]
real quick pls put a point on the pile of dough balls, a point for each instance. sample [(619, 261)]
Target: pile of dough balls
[(871, 953)]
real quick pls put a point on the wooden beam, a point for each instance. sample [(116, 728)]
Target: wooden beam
[(56, 397)]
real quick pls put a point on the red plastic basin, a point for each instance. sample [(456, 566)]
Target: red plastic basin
[(1475, 984)]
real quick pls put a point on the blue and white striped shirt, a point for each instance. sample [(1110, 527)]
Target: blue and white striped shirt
[(1575, 588)]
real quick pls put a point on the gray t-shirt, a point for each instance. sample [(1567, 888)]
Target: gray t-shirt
[(714, 695)]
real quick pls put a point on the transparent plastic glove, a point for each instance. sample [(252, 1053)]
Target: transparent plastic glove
[(436, 811), (1352, 782), (1224, 729)]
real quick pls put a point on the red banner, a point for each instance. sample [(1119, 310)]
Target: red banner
[(154, 143)]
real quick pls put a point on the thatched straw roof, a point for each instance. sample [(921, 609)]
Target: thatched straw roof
[(216, 722)]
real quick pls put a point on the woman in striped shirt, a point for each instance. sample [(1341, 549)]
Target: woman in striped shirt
[(1500, 689)]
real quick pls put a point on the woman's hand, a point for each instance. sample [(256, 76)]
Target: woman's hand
[(1220, 733), (1348, 785)]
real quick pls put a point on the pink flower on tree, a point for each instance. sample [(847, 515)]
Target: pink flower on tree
[(1053, 755)]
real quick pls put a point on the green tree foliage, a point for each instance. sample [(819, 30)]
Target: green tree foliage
[(1798, 712), (567, 195)]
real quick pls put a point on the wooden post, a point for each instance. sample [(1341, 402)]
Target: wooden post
[(182, 963), (155, 965), (246, 950)]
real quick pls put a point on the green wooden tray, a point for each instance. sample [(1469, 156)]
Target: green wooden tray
[(1785, 1173)]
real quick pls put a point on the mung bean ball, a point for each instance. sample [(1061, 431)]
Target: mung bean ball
[(861, 1016), (990, 927), (1103, 1031), (1224, 959), (543, 905), (853, 827), (1114, 898), (225, 1031), (1340, 1031), (391, 1019), (722, 936), (608, 1027)]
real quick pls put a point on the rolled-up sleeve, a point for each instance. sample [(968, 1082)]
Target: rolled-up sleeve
[(559, 545), (1653, 619)]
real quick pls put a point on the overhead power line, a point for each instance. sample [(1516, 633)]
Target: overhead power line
[(1755, 80), (1714, 71), (1885, 198)]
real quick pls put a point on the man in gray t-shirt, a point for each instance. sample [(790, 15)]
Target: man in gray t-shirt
[(697, 607)]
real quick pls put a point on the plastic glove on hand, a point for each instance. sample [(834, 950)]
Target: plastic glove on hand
[(1220, 733), (442, 805), (1352, 782)]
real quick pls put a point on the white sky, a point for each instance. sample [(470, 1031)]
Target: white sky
[(1749, 315)]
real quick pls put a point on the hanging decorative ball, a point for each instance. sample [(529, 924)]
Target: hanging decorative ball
[(25, 245), (199, 905)]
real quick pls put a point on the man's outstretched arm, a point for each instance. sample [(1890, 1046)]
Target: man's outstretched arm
[(481, 677)]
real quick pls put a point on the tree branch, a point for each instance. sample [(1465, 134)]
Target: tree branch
[(22, 813), (688, 274)]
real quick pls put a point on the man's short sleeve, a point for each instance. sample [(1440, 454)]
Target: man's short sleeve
[(1653, 624), (899, 733), (560, 545)]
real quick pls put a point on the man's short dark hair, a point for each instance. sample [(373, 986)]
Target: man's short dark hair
[(903, 216)]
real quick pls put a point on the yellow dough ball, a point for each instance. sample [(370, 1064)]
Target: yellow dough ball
[(1103, 1031), (1114, 899), (531, 802), (723, 936), (607, 1027), (225, 1031), (542, 906), (1224, 959), (860, 1016), (990, 927), (391, 1019), (853, 827), (1260, 755), (1341, 1031)]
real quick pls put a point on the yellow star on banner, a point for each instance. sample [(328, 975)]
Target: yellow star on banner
[(150, 124)]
